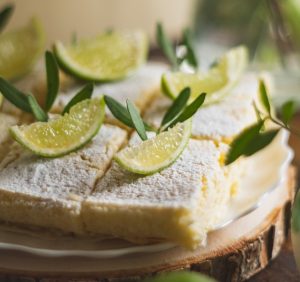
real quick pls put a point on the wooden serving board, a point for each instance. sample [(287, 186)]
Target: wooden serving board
[(233, 253)]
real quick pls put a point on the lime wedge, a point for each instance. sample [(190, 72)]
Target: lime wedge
[(20, 49), (110, 56), (217, 82), (64, 134), (156, 153)]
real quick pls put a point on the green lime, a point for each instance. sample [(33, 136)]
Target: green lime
[(63, 134), (110, 56), (217, 82), (20, 49), (157, 153)]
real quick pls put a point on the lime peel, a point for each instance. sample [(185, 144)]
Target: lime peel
[(63, 134), (110, 56), (155, 154), (217, 82)]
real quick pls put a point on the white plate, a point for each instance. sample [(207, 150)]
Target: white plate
[(266, 171)]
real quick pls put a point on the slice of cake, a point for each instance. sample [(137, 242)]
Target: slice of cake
[(139, 88), (219, 122), (179, 204), (48, 192)]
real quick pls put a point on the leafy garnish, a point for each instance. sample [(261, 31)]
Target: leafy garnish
[(13, 95), (85, 93), (296, 214), (136, 120), (166, 46), (177, 112), (190, 110), (177, 106), (37, 111), (288, 110), (175, 58), (5, 14), (190, 57), (264, 97), (52, 79), (255, 138)]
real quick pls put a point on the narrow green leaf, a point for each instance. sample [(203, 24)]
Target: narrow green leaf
[(52, 79), (5, 14), (137, 120), (190, 110), (261, 141), (296, 215), (118, 111), (74, 39), (240, 144), (166, 45), (13, 95), (85, 93), (191, 55), (264, 97), (288, 110), (37, 111), (177, 106)]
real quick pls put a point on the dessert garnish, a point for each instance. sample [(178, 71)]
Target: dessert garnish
[(216, 82), (16, 61), (79, 122), (154, 154), (257, 136), (110, 56)]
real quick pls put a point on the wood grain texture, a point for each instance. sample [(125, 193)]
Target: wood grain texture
[(235, 262)]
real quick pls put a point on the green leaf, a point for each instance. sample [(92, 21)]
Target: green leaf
[(74, 39), (121, 113), (137, 120), (37, 111), (52, 79), (240, 144), (288, 110), (118, 111), (177, 106), (5, 14), (296, 214), (85, 93), (180, 276), (190, 110), (13, 95), (166, 46), (191, 55), (264, 97), (261, 141)]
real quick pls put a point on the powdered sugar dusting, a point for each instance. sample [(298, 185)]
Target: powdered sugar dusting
[(57, 178)]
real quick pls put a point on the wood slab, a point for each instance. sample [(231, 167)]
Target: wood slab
[(234, 253)]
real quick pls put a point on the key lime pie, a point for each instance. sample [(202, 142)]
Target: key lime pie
[(163, 180)]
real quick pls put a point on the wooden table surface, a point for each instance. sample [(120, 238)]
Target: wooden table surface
[(283, 268)]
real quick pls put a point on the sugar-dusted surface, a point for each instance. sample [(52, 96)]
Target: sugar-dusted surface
[(220, 121), (139, 88), (48, 192), (180, 203), (56, 178)]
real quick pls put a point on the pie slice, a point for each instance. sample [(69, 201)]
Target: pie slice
[(48, 193)]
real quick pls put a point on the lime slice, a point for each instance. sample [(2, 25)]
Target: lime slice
[(156, 153), (64, 134), (20, 49), (110, 56), (217, 82)]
